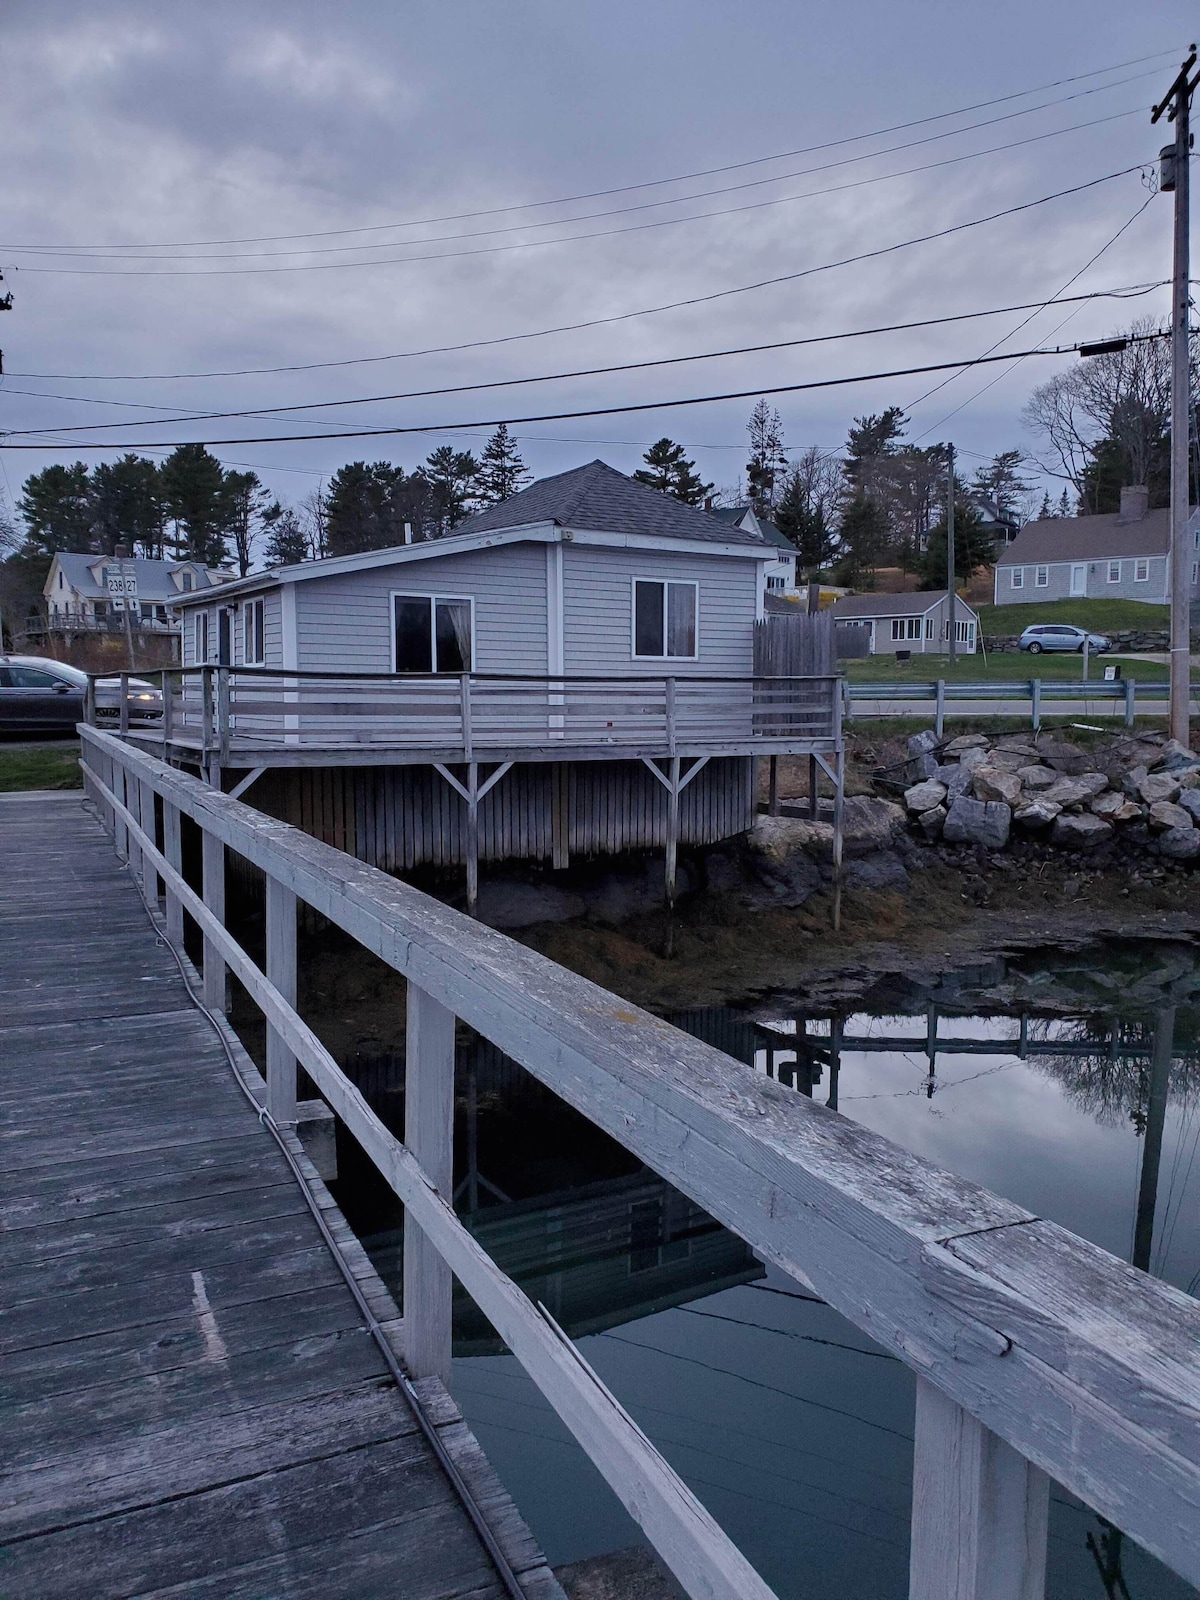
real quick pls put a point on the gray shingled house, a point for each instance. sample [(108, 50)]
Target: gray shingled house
[(1117, 556), (918, 621)]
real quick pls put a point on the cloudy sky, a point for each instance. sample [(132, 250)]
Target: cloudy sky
[(208, 189)]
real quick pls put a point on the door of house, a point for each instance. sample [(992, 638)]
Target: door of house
[(1079, 578)]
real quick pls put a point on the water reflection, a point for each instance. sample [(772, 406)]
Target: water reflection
[(1069, 1084)]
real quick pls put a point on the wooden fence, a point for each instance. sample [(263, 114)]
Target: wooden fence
[(1037, 1355)]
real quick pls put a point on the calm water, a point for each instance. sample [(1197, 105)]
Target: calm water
[(788, 1423)]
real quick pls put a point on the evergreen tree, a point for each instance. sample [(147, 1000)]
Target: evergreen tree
[(1003, 482), (1044, 510), (669, 471), (197, 503), (871, 438), (450, 475), (360, 508), (128, 507), (501, 472), (1064, 505), (56, 508), (863, 538), (973, 547), (287, 542), (768, 458), (800, 517), (248, 512)]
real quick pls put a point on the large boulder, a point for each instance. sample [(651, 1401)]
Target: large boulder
[(1156, 786), (1113, 805), (1164, 815), (1037, 813), (991, 783), (776, 838), (884, 870), (1016, 744), (1176, 757), (870, 824), (967, 741), (956, 778), (924, 796), (1035, 776), (974, 757), (1181, 844), (1189, 800), (923, 743), (1076, 791), (1062, 755), (985, 822), (922, 758), (932, 822), (1081, 832)]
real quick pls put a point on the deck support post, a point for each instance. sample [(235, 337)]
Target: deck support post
[(213, 892), (979, 1510), (560, 816), (281, 972), (173, 850), (673, 789), (813, 788), (429, 1134), (773, 790), (472, 838)]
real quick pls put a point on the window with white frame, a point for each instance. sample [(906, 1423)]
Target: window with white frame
[(1195, 570), (1016, 577), (964, 632), (929, 627), (906, 627), (254, 640), (1041, 577), (664, 619), (1114, 572), (200, 637), (433, 633), (1141, 570)]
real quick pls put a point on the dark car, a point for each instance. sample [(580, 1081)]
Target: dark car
[(38, 696)]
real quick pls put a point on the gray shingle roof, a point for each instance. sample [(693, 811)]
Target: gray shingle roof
[(600, 499), (914, 604), (767, 528), (1089, 539), (153, 577)]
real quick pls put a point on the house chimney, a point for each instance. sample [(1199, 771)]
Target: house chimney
[(120, 552), (408, 533), (1134, 503), (708, 502)]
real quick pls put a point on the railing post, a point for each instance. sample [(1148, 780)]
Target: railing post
[(89, 702), (281, 972), (213, 890), (206, 714), (173, 850), (223, 703), (168, 711), (464, 687), (429, 1134), (979, 1510), (671, 716), (123, 709)]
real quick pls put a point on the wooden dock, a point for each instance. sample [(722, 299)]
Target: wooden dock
[(192, 1403)]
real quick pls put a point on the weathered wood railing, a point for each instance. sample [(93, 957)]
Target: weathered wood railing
[(256, 708), (1038, 1356)]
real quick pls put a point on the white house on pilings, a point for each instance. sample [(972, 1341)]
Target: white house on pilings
[(571, 671)]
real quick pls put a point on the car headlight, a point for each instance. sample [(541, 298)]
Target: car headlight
[(143, 697)]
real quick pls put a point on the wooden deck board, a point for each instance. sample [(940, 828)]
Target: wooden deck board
[(193, 1407)]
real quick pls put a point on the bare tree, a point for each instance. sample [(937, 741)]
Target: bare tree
[(313, 516)]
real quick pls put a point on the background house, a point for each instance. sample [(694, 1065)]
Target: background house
[(779, 574), (918, 621), (91, 593), (1121, 556)]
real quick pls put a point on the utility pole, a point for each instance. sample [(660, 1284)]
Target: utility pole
[(951, 620), (1174, 161)]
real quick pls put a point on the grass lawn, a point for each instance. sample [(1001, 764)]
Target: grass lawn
[(39, 766), (1007, 668), (1099, 615)]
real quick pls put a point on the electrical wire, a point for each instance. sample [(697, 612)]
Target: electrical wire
[(687, 177), (76, 253), (759, 390), (455, 255), (181, 413)]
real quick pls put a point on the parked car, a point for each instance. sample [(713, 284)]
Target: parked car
[(1061, 636), (38, 695)]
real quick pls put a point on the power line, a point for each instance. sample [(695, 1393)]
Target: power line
[(456, 255), (598, 411), (180, 413), (78, 253), (686, 177)]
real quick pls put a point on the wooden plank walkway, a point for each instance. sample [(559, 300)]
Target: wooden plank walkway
[(192, 1405)]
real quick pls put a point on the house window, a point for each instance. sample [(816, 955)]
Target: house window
[(664, 619), (433, 633), (776, 583), (1195, 570), (1041, 577), (1114, 572), (929, 627), (964, 632), (1141, 570), (187, 580), (200, 638), (254, 643), (1017, 577), (906, 627)]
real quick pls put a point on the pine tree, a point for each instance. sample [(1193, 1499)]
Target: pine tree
[(800, 517), (863, 538), (249, 511), (128, 506), (1064, 505), (768, 458), (287, 543), (365, 508), (450, 475), (501, 472), (973, 547), (197, 503), (1045, 510), (669, 471), (56, 508)]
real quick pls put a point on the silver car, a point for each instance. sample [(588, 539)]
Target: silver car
[(38, 695), (1061, 636)]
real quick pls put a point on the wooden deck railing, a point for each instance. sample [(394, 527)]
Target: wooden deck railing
[(254, 709), (1037, 1355)]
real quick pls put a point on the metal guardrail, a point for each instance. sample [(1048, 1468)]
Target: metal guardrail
[(1036, 1355), (1126, 695)]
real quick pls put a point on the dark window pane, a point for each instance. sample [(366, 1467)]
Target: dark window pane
[(681, 619), (414, 644), (33, 678), (648, 619), (453, 635)]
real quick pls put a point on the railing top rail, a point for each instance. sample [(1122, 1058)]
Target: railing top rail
[(681, 678), (1087, 1367)]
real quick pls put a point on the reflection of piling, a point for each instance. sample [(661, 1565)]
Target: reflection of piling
[(1156, 1116)]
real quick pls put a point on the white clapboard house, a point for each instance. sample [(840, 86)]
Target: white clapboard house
[(576, 661), (88, 593)]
